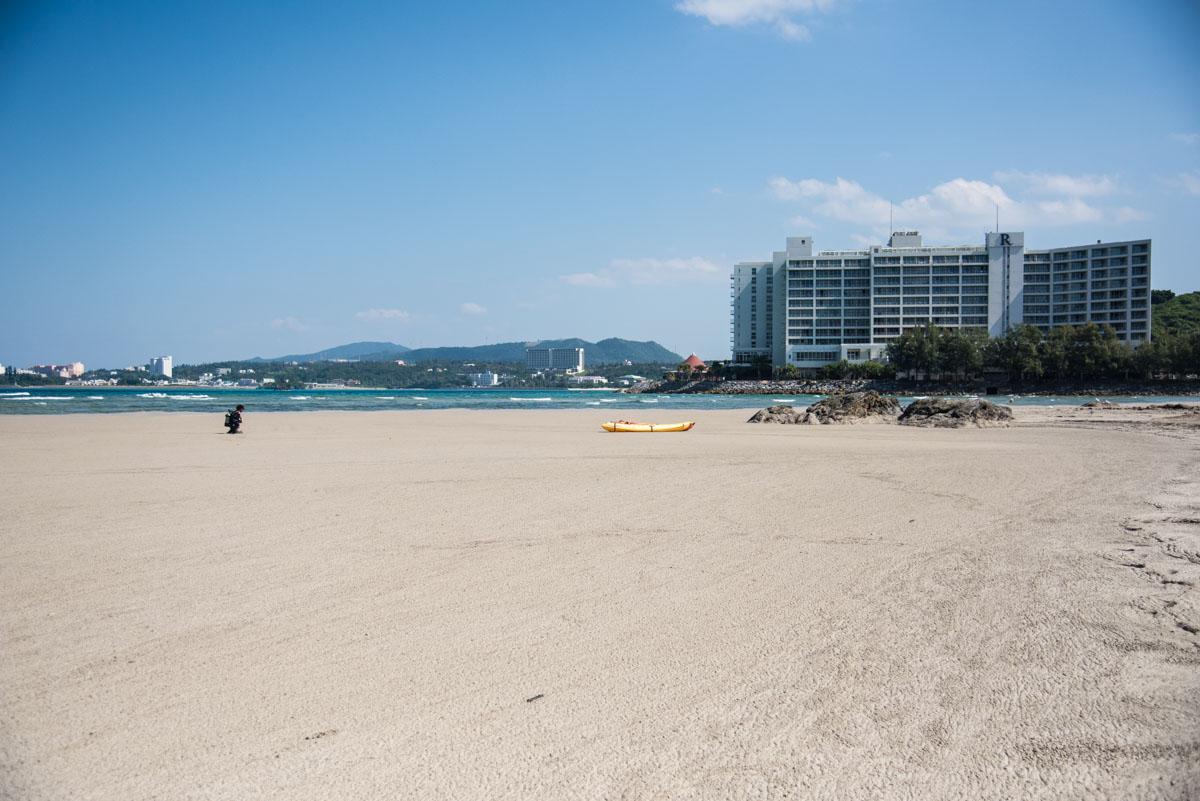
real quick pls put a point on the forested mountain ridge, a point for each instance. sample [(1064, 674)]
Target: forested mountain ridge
[(606, 351)]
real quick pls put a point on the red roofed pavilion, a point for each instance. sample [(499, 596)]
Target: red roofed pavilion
[(695, 362)]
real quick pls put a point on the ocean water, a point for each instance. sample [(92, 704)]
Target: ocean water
[(106, 400)]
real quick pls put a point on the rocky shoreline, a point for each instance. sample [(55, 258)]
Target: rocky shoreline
[(896, 387)]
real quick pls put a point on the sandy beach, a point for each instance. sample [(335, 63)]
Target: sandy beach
[(518, 605)]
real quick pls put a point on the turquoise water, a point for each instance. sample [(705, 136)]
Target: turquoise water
[(93, 400)]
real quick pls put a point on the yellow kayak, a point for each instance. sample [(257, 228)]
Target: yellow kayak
[(625, 425)]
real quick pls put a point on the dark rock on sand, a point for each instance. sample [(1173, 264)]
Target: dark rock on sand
[(778, 414), (853, 407), (954, 413)]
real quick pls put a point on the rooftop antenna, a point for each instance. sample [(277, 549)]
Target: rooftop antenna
[(891, 227), (997, 218)]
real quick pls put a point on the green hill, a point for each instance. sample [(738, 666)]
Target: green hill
[(606, 351), (354, 350), (1173, 313)]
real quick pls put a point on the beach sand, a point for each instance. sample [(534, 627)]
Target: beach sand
[(518, 605)]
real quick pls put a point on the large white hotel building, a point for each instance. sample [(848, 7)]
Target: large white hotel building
[(811, 308)]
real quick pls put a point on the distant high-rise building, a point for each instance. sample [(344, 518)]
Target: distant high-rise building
[(161, 366), (809, 308), (554, 359)]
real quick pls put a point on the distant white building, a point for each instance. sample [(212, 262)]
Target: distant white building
[(570, 359), (70, 370), (586, 381), (161, 366), (485, 379)]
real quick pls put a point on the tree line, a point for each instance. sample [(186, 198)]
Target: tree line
[(1087, 352)]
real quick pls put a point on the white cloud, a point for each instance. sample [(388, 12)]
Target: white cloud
[(1187, 138), (961, 204), (716, 190), (1190, 182), (778, 13), (472, 308), (667, 271), (375, 315), (841, 200), (650, 272), (792, 31), (588, 279), (1053, 184), (290, 323), (1124, 214), (801, 222)]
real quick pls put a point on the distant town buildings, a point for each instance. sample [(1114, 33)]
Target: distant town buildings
[(809, 308), (484, 379), (72, 370), (570, 359), (160, 366)]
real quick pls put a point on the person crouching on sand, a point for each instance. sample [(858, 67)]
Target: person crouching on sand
[(233, 420)]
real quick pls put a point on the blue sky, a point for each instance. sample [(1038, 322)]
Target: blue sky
[(218, 180)]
